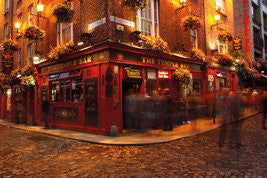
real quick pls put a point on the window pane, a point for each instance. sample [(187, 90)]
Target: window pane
[(63, 75), (55, 91), (197, 86), (77, 90), (65, 91)]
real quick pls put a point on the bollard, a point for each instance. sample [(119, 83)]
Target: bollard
[(113, 131)]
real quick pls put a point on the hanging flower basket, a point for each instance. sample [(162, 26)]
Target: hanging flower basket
[(28, 81), (34, 33), (10, 45), (63, 13), (224, 36), (4, 79), (245, 73), (149, 42), (198, 55), (225, 59), (135, 4), (61, 50), (15, 78), (27, 70), (191, 23), (183, 75)]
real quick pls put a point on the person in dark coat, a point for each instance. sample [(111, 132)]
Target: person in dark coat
[(264, 102), (45, 112)]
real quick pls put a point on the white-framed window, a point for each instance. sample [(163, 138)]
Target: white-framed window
[(222, 48), (30, 15), (147, 20), (20, 20), (6, 5), (193, 36), (30, 54), (19, 58), (6, 32), (220, 5), (65, 31)]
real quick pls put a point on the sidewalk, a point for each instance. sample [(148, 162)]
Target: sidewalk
[(135, 138)]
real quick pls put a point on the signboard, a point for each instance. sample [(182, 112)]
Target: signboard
[(210, 78), (79, 61), (151, 75), (7, 62), (96, 23), (237, 43), (163, 74), (132, 73), (121, 21)]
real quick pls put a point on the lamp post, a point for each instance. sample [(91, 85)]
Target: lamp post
[(217, 19), (183, 5)]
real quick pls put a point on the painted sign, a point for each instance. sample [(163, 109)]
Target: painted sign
[(237, 43), (96, 23), (121, 21), (132, 73), (7, 62)]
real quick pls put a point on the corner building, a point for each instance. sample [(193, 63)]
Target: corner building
[(87, 89)]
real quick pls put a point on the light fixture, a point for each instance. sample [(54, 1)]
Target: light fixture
[(217, 17), (9, 92), (36, 58), (17, 25), (40, 7), (262, 72), (19, 75), (183, 5), (80, 43), (237, 60)]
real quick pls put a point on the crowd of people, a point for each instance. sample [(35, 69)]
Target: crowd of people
[(162, 111)]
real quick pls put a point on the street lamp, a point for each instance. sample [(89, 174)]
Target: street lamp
[(183, 5), (17, 25), (40, 7), (217, 18)]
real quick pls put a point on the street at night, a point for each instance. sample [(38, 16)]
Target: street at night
[(234, 150)]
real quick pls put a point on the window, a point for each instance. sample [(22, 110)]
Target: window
[(6, 32), (65, 31), (19, 58), (220, 5), (147, 19), (6, 5), (55, 91), (77, 90), (30, 54), (193, 36), (222, 48), (151, 82), (65, 91), (20, 20), (30, 15)]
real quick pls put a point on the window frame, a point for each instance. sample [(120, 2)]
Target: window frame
[(154, 19), (30, 53), (6, 31), (195, 36), (30, 15), (6, 8), (19, 57), (221, 8)]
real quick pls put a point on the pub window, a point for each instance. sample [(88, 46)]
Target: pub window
[(75, 72), (6, 31), (147, 19), (20, 20), (220, 6), (30, 15), (197, 86), (193, 36), (65, 91), (55, 91), (54, 76), (151, 82), (64, 75), (6, 5), (210, 83), (65, 31), (77, 90), (164, 82)]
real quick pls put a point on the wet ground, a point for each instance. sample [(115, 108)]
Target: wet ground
[(234, 150)]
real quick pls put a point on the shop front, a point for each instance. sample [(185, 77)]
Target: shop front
[(93, 90)]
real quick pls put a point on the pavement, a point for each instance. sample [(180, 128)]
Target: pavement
[(146, 137)]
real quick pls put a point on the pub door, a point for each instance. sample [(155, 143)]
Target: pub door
[(91, 102), (130, 92)]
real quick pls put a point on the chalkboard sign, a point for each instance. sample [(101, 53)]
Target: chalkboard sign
[(7, 62)]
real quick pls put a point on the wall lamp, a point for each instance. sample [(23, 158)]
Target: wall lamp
[(217, 18), (183, 5)]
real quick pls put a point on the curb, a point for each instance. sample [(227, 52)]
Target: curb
[(11, 125)]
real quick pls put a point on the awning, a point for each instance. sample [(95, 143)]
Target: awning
[(265, 76)]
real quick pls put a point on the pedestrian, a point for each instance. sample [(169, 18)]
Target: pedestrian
[(18, 110), (45, 111), (167, 110)]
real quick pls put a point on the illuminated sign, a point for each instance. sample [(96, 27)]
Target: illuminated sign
[(237, 43), (246, 23), (163, 74), (132, 73)]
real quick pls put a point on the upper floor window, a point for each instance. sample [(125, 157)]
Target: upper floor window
[(30, 15), (6, 5), (220, 5), (30, 54), (222, 48), (19, 58), (20, 20), (193, 36), (147, 19), (6, 32), (65, 31)]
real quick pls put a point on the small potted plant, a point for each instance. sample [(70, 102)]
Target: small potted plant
[(34, 33), (224, 36), (191, 23), (135, 4), (10, 45), (158, 44), (63, 13), (28, 81), (61, 50)]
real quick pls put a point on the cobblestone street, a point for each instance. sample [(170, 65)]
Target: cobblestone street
[(234, 150)]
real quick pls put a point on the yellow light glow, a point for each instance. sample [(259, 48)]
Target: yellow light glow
[(182, 1), (217, 17), (9, 92), (17, 25), (40, 7)]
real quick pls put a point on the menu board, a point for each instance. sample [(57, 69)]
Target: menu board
[(7, 62)]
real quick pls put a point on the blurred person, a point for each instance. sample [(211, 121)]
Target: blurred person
[(264, 104), (45, 111), (18, 111), (255, 99), (167, 111)]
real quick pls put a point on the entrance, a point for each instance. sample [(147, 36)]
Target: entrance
[(130, 93)]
